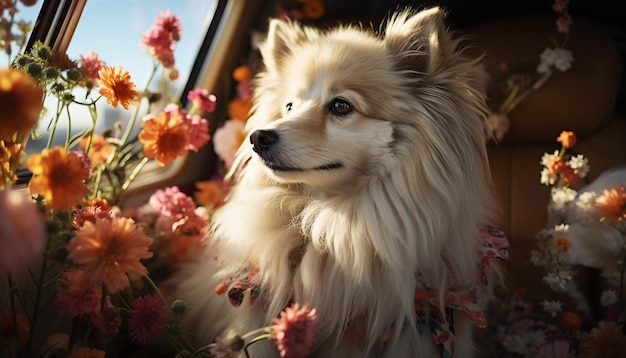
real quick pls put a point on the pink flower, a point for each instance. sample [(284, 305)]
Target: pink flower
[(560, 5), (244, 90), (169, 24), (556, 349), (294, 331), (159, 40), (108, 321), (202, 99), (21, 232), (198, 132), (563, 23), (90, 64), (90, 213), (171, 202), (147, 318), (227, 139), (75, 296)]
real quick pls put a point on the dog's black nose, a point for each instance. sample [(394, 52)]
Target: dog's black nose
[(263, 139)]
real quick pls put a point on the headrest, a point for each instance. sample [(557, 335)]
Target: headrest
[(581, 99)]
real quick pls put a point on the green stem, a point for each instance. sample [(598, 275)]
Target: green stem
[(259, 338), (54, 124), (33, 322), (133, 119), (134, 173), (156, 289), (14, 311), (68, 133)]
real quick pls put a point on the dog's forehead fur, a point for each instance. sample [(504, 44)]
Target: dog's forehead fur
[(342, 61)]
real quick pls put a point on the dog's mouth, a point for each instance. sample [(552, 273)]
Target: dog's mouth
[(282, 168)]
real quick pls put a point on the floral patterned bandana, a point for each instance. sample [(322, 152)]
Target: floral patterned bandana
[(465, 298)]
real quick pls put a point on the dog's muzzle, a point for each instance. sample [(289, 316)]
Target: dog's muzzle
[(262, 140)]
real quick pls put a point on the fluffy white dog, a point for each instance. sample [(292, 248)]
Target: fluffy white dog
[(361, 191)]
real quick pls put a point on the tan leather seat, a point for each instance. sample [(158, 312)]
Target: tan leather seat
[(581, 99)]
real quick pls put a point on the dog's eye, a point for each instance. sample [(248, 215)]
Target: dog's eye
[(340, 107), (288, 106)]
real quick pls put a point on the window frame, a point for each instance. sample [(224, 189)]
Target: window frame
[(55, 25)]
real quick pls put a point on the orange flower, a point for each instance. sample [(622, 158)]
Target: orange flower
[(556, 165), (612, 205), (242, 73), (211, 193), (110, 249), (569, 175), (116, 86), (570, 320), (20, 103), (239, 109), (562, 244), (100, 149), (605, 341), (86, 352), (314, 9), (164, 137), (567, 139), (59, 177)]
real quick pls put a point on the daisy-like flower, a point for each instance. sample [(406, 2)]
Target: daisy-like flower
[(147, 318), (21, 232), (611, 205), (605, 341), (116, 86), (227, 139), (294, 331), (164, 137), (90, 64), (58, 176), (562, 196), (580, 164), (109, 250), (20, 103), (559, 58), (169, 24), (202, 99), (90, 213), (100, 148), (551, 307)]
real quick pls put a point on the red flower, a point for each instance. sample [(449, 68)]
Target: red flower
[(147, 318)]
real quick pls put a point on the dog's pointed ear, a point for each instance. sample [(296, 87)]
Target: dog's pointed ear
[(419, 40), (281, 37)]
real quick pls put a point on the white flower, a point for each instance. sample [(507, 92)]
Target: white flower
[(547, 178), (561, 197), (559, 58), (547, 157), (557, 280), (608, 298), (580, 164), (561, 228), (552, 307)]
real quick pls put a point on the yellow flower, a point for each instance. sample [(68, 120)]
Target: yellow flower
[(20, 103), (116, 86), (165, 137), (59, 177)]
